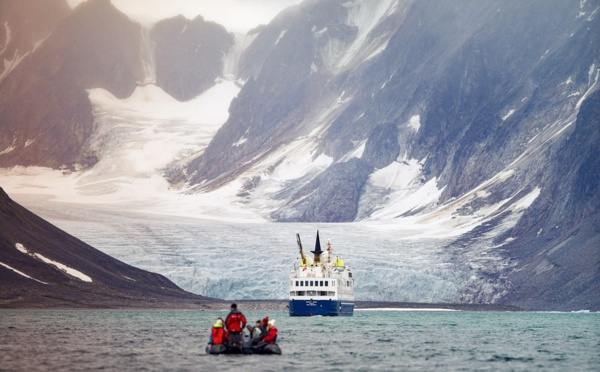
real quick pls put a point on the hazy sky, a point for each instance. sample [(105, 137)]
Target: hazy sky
[(235, 15)]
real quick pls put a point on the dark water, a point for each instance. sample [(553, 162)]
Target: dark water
[(385, 341)]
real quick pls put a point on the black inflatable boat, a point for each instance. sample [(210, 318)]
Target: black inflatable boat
[(257, 349)]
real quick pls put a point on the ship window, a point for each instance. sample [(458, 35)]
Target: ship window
[(296, 283), (322, 293), (292, 293), (331, 293), (311, 293), (327, 283), (301, 293), (301, 283), (311, 283), (306, 283), (350, 275), (321, 283)]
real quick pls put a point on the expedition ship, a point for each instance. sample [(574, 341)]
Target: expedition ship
[(321, 286)]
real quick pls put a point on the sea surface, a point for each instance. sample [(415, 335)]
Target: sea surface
[(83, 340)]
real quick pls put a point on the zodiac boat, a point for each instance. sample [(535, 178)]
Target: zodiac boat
[(321, 286), (227, 349)]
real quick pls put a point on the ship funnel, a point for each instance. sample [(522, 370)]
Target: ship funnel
[(317, 252)]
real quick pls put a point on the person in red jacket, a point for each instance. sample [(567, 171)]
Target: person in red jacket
[(271, 336), (235, 322), (218, 334)]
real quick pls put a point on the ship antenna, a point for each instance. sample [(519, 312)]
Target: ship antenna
[(329, 252), (304, 261)]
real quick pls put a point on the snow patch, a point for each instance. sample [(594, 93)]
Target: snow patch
[(593, 75), (406, 189), (358, 152), (281, 35), (11, 64), (397, 176), (297, 164), (9, 148), (567, 82), (240, 141), (415, 123), (527, 200), (508, 114), (8, 33), (66, 269), (20, 273)]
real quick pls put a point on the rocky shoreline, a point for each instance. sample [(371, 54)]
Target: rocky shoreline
[(206, 304)]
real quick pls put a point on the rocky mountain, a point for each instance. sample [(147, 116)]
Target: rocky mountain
[(487, 100), (479, 116), (189, 55), (42, 266), (45, 111)]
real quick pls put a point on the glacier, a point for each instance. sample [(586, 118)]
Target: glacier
[(217, 243)]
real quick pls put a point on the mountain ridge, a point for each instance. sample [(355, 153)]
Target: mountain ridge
[(41, 266)]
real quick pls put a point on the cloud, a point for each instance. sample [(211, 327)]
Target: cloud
[(234, 15)]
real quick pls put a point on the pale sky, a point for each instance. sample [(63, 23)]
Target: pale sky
[(235, 15)]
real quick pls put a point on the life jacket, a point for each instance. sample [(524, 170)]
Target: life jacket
[(246, 338), (235, 321), (218, 334)]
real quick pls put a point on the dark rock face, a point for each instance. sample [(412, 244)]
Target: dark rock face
[(26, 24), (44, 108), (560, 233), (462, 68), (331, 197), (113, 283), (282, 87), (382, 147), (189, 55)]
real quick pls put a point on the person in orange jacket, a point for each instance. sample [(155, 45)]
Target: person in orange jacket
[(218, 333)]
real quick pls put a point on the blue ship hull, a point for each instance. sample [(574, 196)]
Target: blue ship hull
[(321, 307)]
